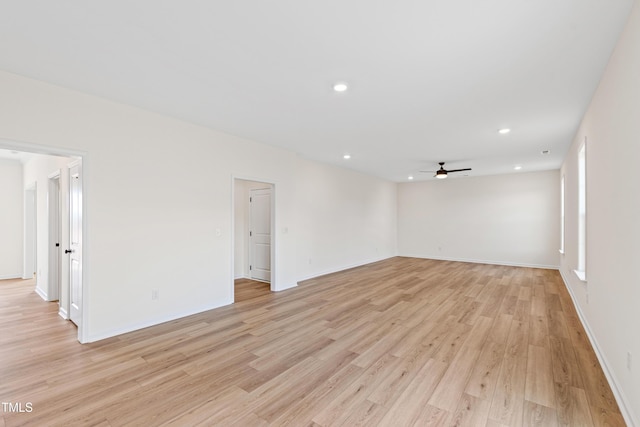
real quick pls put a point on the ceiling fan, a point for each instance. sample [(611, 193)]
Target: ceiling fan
[(442, 172)]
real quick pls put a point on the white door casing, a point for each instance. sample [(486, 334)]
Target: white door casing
[(75, 242), (260, 235)]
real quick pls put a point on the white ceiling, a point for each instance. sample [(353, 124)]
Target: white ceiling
[(430, 80)]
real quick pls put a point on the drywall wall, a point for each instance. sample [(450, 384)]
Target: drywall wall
[(336, 206), (239, 226), (11, 217), (157, 190), (609, 300), (507, 219)]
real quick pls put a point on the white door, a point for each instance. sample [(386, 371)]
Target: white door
[(75, 242), (53, 202), (260, 235)]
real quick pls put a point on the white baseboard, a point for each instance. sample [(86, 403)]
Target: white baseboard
[(621, 399), (285, 287), (115, 332), (42, 294), (485, 261), (346, 267)]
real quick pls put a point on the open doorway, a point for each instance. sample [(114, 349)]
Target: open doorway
[(253, 254), (53, 206)]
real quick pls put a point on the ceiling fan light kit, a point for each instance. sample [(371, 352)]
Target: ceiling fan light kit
[(442, 173)]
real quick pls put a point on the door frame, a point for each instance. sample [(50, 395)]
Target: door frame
[(52, 150), (272, 183)]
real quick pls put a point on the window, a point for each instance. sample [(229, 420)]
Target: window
[(562, 215), (581, 271)]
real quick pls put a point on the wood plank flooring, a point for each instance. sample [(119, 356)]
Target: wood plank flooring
[(246, 289), (400, 342)]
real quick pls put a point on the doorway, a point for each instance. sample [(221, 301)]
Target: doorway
[(47, 223), (253, 243)]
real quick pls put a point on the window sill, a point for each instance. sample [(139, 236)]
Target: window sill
[(582, 275)]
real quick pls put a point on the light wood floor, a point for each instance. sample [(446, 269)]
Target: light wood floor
[(246, 289), (395, 343)]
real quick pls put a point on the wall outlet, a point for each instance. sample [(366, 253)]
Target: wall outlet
[(628, 360), (155, 294)]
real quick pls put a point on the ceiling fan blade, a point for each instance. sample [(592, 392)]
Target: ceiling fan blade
[(459, 170)]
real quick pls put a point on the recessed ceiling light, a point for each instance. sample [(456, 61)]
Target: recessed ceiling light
[(517, 167), (545, 152), (346, 156), (504, 131), (340, 87), (410, 178)]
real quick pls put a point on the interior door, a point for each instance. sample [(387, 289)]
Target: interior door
[(75, 242), (260, 235), (53, 200)]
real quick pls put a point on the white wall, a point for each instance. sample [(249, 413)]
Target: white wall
[(239, 226), (37, 170), (345, 219), (611, 312), (506, 219), (157, 188), (11, 204)]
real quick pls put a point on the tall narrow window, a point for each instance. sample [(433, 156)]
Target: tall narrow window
[(562, 215), (582, 212)]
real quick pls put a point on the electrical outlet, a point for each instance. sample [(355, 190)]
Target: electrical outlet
[(155, 294), (628, 360)]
